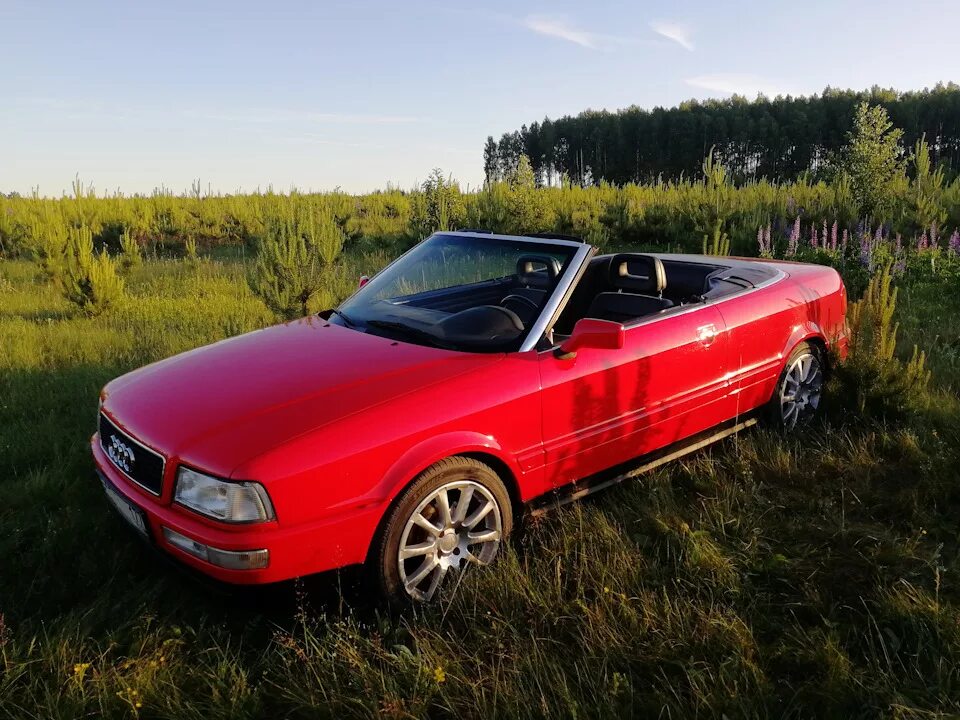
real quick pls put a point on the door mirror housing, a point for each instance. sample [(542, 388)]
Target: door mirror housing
[(592, 333)]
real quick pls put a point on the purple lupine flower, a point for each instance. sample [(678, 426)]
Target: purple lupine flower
[(934, 235), (923, 242), (954, 242), (878, 237), (843, 242), (794, 239), (814, 243), (900, 267), (866, 251), (898, 245), (833, 236)]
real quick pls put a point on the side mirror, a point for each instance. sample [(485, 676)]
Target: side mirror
[(592, 333), (363, 281)]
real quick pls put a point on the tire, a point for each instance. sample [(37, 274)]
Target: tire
[(798, 397), (437, 547)]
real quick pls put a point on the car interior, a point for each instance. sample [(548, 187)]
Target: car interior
[(629, 286), (625, 287)]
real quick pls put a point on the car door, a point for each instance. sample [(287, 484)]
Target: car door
[(604, 407)]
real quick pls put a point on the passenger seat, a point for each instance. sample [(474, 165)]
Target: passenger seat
[(639, 281)]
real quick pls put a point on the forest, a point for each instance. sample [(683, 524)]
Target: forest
[(778, 139)]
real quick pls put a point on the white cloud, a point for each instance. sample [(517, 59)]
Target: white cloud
[(561, 29), (680, 34), (736, 84)]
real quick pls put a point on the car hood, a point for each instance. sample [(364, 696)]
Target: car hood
[(220, 405)]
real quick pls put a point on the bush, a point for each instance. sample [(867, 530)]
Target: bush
[(90, 280), (880, 384), (296, 265), (131, 256)]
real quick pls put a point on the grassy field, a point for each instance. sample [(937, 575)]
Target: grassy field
[(762, 578)]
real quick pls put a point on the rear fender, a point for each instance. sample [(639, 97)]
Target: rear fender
[(805, 332)]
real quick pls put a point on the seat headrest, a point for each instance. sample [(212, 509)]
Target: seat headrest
[(537, 270), (642, 274)]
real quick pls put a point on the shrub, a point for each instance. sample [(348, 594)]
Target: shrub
[(296, 264), (880, 383), (131, 256), (437, 207), (49, 244), (90, 280)]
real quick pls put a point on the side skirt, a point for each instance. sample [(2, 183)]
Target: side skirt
[(601, 481)]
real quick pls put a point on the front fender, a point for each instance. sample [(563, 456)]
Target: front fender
[(421, 456)]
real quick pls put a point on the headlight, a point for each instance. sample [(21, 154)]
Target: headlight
[(236, 502)]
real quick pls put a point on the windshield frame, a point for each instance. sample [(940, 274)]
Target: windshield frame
[(531, 336)]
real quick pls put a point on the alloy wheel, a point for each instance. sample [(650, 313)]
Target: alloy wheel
[(801, 390), (456, 525)]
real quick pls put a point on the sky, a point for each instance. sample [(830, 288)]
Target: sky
[(240, 95)]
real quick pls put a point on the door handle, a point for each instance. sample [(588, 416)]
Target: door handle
[(706, 335)]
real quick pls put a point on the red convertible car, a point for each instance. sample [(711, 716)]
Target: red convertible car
[(475, 375)]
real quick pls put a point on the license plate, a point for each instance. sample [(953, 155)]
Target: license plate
[(130, 512)]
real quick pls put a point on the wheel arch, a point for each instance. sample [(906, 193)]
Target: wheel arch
[(421, 458)]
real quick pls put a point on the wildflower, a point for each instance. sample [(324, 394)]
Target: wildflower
[(439, 674), (833, 236), (764, 246), (934, 235), (953, 244), (843, 242), (923, 242), (794, 239), (814, 242), (867, 247)]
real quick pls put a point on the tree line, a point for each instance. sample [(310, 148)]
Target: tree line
[(780, 139)]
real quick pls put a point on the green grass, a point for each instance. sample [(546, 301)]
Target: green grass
[(763, 578)]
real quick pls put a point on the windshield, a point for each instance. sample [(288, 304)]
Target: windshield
[(461, 292)]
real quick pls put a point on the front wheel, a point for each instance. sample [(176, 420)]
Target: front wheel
[(456, 514), (799, 393)]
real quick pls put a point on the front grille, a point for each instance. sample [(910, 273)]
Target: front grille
[(138, 462)]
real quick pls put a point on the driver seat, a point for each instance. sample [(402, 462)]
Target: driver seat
[(536, 274), (639, 281)]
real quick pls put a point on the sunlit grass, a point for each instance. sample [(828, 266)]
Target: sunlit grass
[(762, 578)]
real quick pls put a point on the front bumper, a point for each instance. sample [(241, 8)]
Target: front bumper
[(291, 552)]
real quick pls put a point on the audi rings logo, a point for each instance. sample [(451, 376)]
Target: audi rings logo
[(121, 454)]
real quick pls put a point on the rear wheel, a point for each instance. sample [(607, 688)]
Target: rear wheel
[(456, 514), (798, 397)]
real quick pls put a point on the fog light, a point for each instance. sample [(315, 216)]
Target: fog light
[(229, 559)]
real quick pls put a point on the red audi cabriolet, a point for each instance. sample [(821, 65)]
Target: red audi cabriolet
[(476, 375)]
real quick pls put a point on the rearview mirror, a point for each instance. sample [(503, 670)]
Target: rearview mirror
[(592, 333), (364, 279)]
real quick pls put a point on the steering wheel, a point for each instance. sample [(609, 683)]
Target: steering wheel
[(533, 306), (528, 310)]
